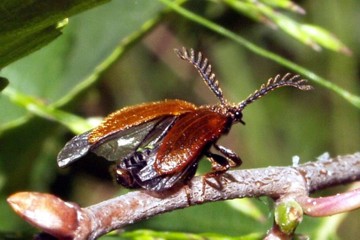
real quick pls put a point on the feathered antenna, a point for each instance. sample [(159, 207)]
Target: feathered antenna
[(273, 83), (204, 69)]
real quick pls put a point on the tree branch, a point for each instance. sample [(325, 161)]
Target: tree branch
[(279, 183)]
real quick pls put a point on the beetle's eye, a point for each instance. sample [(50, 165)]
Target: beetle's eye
[(238, 117)]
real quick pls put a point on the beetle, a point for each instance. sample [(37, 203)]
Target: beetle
[(158, 145)]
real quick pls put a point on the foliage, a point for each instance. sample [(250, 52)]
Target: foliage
[(103, 59)]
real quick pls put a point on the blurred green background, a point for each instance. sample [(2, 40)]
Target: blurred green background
[(121, 53)]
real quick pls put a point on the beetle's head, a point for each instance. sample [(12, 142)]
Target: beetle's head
[(235, 114)]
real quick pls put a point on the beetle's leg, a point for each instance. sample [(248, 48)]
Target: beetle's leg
[(233, 159), (219, 163), (223, 163)]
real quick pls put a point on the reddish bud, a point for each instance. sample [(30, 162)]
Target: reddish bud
[(47, 212)]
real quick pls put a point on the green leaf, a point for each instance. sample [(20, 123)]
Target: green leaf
[(324, 38), (285, 4), (26, 26), (248, 9), (11, 50)]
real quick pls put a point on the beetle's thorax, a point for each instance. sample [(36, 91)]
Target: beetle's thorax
[(229, 110)]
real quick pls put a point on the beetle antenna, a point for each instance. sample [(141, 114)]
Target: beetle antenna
[(273, 83), (204, 69)]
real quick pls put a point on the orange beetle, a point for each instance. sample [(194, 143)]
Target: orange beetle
[(158, 145)]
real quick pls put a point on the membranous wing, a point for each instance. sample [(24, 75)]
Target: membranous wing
[(112, 147), (118, 146), (123, 144), (74, 149)]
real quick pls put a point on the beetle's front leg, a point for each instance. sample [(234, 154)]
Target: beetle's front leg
[(219, 164), (233, 159)]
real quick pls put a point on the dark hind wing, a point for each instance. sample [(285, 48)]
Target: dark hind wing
[(74, 149), (151, 180)]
